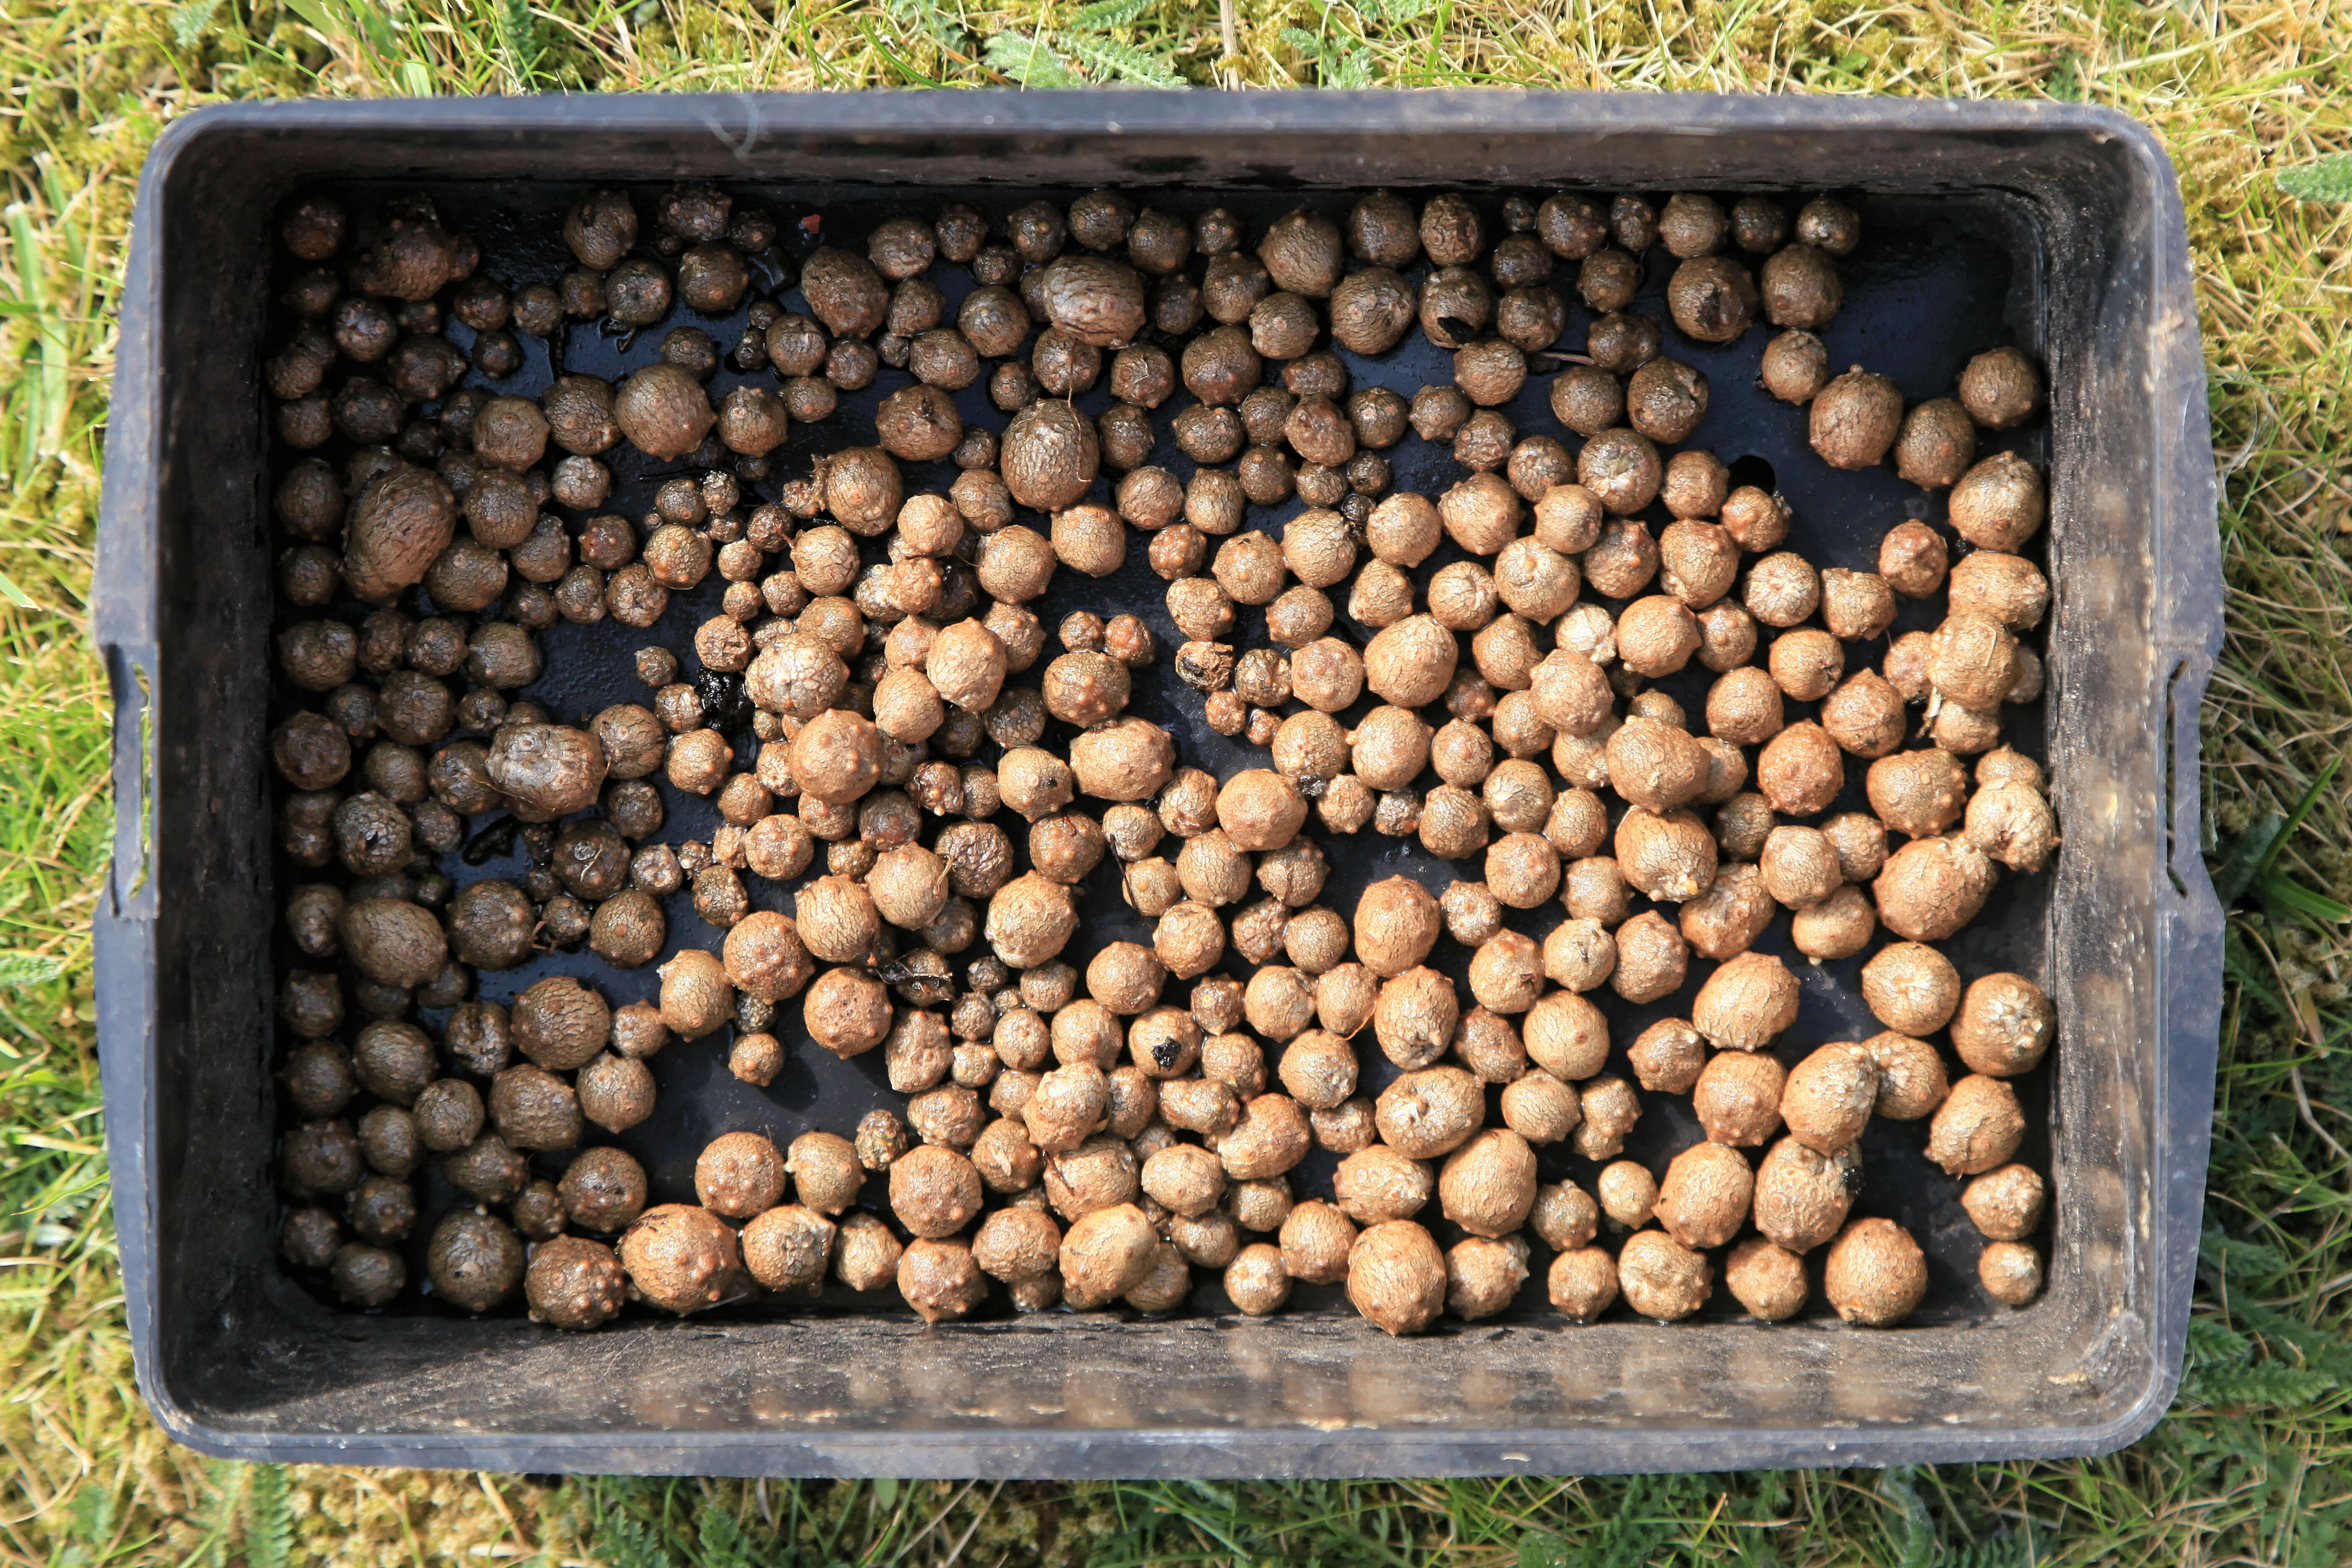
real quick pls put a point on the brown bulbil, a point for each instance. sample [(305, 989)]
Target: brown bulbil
[(1801, 288), (1911, 988), (1796, 366), (1582, 1282), (1396, 924), (1316, 1238), (935, 1192), (2006, 1202), (1738, 1098), (1977, 1127), (1973, 659), (738, 1175), (681, 1258), (1800, 770), (2011, 1272), (1487, 1186), (1931, 888), (1656, 636), (1703, 1199), (865, 1254), (1767, 1279), (1712, 299), (2000, 388), (1864, 715), (1105, 1253), (2004, 1025), (2001, 587), (1919, 794), (1875, 1274), (1829, 1096), (695, 996), (1396, 1277), (1838, 927), (788, 1249), (1855, 419), (1803, 1195), (2012, 823), (1430, 1113), (1746, 1003), (1661, 1277), (2000, 503)]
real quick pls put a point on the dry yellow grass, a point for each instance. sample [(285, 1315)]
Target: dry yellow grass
[(2252, 1468)]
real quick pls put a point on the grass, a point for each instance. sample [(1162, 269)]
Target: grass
[(2255, 1464)]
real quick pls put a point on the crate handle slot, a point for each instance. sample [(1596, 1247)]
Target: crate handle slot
[(131, 885), (2184, 693)]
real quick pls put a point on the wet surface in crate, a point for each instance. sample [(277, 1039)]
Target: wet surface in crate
[(1932, 285)]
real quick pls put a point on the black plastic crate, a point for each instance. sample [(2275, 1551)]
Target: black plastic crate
[(2054, 227)]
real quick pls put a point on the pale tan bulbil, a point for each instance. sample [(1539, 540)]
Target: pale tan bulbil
[(1803, 1195), (1738, 1098), (1105, 1255), (1430, 1112), (1379, 1184), (1800, 866), (1911, 1078), (2005, 1203), (1506, 974), (1315, 1237), (1932, 887), (1911, 988), (1566, 1036), (1488, 1185), (1661, 1277), (1579, 954), (1652, 957), (1977, 1127), (2004, 1025), (1540, 1109), (1875, 1274), (1396, 1277), (1667, 858), (1611, 1109), (1582, 1283), (2007, 589), (1745, 1002), (2012, 823), (1829, 1096), (1483, 1275), (1705, 1197), (1628, 1193), (2011, 1272)]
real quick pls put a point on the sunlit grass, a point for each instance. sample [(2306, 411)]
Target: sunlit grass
[(2253, 1468)]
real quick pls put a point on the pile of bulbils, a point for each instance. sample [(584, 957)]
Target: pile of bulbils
[(1092, 1138)]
